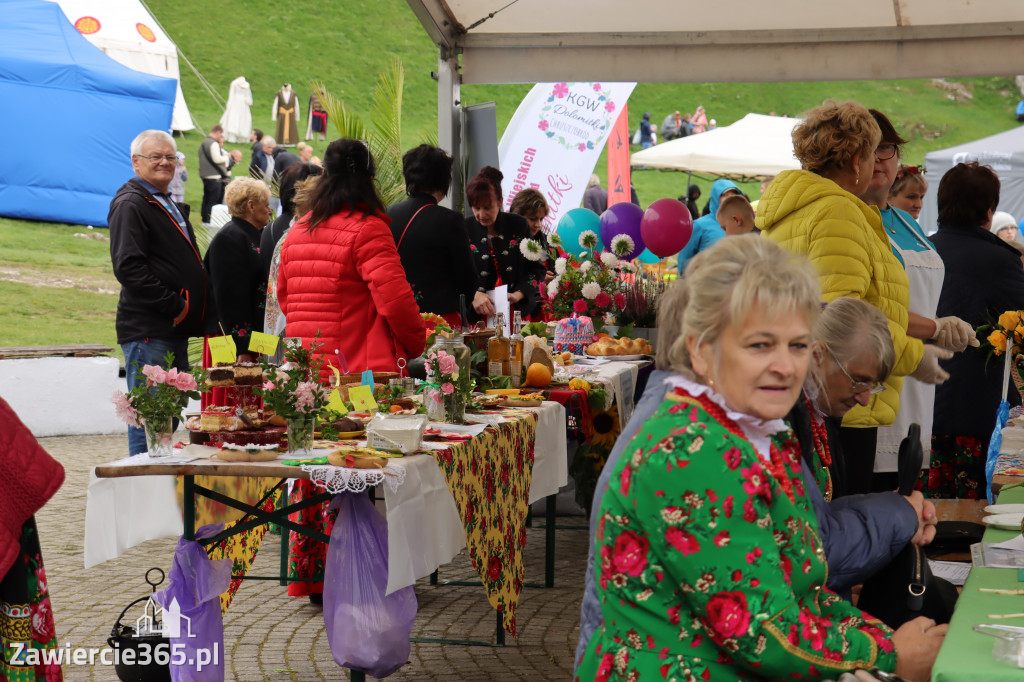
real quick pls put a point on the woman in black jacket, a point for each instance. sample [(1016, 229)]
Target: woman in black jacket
[(431, 239), (494, 238), (984, 278)]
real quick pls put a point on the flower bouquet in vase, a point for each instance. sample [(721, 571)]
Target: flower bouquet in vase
[(294, 392), (589, 284), (449, 385), (156, 403), (1007, 334)]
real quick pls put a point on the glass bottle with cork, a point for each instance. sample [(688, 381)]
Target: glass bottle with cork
[(516, 350), (499, 350)]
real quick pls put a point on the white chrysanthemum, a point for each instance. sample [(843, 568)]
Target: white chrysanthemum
[(560, 266), (626, 266), (553, 287), (609, 259), (588, 240), (554, 239), (591, 290), (585, 266), (531, 250), (623, 245)]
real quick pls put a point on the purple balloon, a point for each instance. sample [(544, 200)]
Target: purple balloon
[(667, 227), (623, 218)]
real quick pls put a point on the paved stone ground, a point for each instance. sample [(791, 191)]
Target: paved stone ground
[(270, 636)]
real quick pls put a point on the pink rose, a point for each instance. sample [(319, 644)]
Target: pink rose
[(728, 615), (171, 377), (447, 388), (435, 395), (448, 364), (185, 382), (629, 555), (155, 373)]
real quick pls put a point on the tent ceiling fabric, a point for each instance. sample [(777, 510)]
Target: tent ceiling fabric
[(756, 146), (531, 41)]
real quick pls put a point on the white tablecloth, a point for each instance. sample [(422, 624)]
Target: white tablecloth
[(424, 527)]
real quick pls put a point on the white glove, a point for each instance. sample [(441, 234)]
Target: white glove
[(954, 334), (928, 371)]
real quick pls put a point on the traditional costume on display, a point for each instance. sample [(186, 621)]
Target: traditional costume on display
[(317, 122), (709, 560), (286, 113), (237, 119)]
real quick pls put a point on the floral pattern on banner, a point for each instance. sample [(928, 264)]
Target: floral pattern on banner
[(241, 548), (490, 478), (709, 563), (957, 468), (26, 617)]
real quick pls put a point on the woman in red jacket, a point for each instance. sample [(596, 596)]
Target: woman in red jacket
[(340, 273)]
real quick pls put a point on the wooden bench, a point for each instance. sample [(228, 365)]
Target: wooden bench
[(82, 350)]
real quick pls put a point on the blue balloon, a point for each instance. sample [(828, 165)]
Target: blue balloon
[(648, 257), (573, 224)]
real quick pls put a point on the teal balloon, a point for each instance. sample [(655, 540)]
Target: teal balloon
[(573, 224), (648, 257)]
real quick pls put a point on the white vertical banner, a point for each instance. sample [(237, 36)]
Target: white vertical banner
[(554, 140)]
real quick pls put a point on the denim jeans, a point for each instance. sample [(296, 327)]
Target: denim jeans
[(149, 352)]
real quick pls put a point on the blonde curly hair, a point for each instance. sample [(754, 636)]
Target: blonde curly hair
[(832, 134), (241, 190)]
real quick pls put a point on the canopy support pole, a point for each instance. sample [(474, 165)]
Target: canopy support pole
[(449, 122)]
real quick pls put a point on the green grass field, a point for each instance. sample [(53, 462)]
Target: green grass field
[(57, 288)]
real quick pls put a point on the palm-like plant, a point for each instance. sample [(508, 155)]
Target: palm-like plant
[(383, 132)]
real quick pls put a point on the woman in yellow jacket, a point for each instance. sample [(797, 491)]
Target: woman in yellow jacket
[(815, 212)]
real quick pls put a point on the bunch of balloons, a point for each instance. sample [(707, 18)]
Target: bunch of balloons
[(660, 231)]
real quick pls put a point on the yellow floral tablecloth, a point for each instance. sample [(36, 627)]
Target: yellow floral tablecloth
[(490, 477)]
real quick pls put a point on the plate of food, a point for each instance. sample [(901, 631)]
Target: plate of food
[(1005, 509), (524, 400), (246, 452), (1004, 521)]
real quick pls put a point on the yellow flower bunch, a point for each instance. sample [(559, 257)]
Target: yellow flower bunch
[(1009, 325)]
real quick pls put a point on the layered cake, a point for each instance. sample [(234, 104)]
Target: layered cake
[(248, 374), (222, 376)]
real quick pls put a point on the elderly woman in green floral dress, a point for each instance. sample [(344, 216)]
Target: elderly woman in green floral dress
[(709, 561)]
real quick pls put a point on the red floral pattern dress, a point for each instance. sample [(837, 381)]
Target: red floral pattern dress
[(710, 565)]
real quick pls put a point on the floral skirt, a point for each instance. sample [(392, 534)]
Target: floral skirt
[(306, 556), (957, 468), (26, 619)]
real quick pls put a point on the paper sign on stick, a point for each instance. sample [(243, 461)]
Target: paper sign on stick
[(362, 398), (368, 378), (222, 350), (335, 403), (263, 343), (500, 297)]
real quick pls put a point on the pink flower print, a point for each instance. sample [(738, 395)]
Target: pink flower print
[(543, 125), (185, 382), (561, 90), (609, 106), (597, 87), (447, 388), (582, 147), (42, 621)]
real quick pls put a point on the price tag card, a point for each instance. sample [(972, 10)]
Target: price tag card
[(263, 343), (368, 378), (335, 403), (362, 398), (222, 350)]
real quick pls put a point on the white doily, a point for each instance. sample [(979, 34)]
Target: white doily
[(344, 480)]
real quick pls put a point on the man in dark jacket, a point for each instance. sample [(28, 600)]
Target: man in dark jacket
[(258, 162), (164, 290), (214, 169), (432, 240)]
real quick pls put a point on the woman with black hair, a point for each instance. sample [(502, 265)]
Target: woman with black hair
[(340, 274), (495, 238), (297, 172), (431, 239)]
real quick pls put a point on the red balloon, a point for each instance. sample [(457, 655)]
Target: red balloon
[(666, 227)]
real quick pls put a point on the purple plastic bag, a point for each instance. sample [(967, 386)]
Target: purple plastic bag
[(197, 635), (367, 631)]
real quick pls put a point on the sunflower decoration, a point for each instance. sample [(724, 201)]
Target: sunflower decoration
[(604, 427)]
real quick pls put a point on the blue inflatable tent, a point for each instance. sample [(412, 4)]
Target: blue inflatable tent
[(70, 115)]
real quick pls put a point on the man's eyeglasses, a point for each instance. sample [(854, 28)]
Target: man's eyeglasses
[(873, 387), (885, 151), (157, 158)]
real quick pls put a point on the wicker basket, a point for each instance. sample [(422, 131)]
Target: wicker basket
[(401, 432)]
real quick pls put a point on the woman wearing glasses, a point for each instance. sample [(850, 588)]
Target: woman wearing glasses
[(925, 272), (816, 212)]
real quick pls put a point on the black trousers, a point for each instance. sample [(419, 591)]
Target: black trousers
[(213, 194), (858, 458)]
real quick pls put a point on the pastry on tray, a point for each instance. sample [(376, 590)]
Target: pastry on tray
[(357, 458), (236, 453), (524, 400), (606, 346)]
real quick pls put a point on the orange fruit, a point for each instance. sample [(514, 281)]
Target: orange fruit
[(395, 408), (538, 376)]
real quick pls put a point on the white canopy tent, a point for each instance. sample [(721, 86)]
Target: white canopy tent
[(756, 146), (532, 41), (128, 33)]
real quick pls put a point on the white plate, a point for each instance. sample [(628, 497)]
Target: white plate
[(1004, 521), (1005, 509), (613, 358)]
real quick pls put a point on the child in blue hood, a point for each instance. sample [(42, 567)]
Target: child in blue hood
[(706, 230)]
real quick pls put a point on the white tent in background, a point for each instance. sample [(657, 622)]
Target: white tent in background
[(129, 34), (752, 147)]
